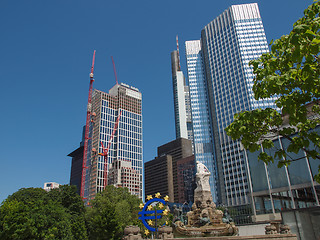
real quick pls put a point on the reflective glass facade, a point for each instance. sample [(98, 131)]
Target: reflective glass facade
[(222, 81), (275, 189), (201, 118)]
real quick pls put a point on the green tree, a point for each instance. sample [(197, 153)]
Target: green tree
[(110, 212), (29, 214), (291, 71), (32, 213), (67, 197)]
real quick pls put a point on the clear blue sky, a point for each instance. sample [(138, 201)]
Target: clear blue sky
[(45, 59)]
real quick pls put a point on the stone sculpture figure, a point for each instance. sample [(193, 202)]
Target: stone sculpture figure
[(202, 177)]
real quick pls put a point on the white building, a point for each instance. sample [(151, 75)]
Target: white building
[(182, 108), (50, 185)]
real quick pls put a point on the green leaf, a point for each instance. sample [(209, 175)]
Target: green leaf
[(310, 32), (315, 41)]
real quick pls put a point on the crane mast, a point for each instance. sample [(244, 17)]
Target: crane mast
[(114, 70), (87, 128)]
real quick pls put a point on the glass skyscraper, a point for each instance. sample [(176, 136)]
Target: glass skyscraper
[(123, 105), (221, 83), (201, 117)]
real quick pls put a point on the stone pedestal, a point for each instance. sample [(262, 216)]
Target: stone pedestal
[(132, 233), (165, 232), (257, 237)]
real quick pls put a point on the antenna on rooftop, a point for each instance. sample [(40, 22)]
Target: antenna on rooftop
[(114, 69), (179, 67)]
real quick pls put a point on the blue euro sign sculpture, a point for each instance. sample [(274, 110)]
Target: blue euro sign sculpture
[(145, 215)]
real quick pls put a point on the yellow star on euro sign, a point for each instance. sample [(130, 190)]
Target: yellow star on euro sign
[(149, 197), (146, 232), (150, 207), (161, 205), (165, 212), (157, 195), (150, 222), (141, 206), (166, 198), (166, 222)]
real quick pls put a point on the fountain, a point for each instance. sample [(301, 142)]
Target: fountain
[(205, 220)]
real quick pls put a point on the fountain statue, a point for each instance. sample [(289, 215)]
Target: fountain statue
[(204, 219)]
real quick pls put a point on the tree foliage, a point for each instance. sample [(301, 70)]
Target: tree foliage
[(33, 213), (110, 212), (291, 71)]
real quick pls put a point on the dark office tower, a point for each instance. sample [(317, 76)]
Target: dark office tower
[(161, 174), (186, 170), (76, 164), (178, 149), (158, 177), (218, 69), (76, 167), (115, 131)]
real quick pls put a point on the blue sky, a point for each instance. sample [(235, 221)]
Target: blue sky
[(45, 59)]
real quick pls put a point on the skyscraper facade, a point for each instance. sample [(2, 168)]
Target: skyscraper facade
[(290, 187), (182, 108), (220, 63), (172, 171), (201, 118), (115, 128)]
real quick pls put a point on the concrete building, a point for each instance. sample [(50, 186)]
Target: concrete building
[(122, 106), (122, 174), (50, 185), (220, 82), (161, 174)]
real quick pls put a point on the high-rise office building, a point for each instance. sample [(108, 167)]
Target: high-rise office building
[(76, 164), (172, 171), (182, 108), (186, 170), (158, 177), (116, 125), (183, 168), (201, 118), (76, 167), (221, 81)]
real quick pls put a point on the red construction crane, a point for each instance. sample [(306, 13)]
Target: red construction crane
[(106, 150), (86, 136)]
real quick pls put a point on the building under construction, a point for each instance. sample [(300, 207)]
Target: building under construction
[(112, 145)]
